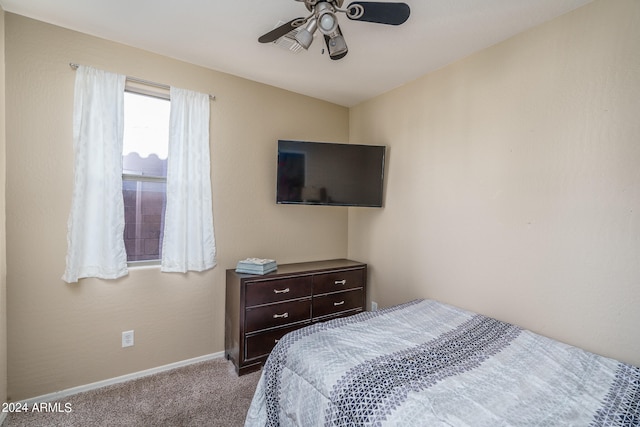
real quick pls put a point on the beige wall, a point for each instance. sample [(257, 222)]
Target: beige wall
[(513, 185), (61, 335), (3, 235)]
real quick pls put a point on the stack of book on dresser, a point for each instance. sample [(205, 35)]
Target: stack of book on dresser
[(256, 266)]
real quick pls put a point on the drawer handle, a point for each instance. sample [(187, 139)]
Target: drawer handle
[(341, 282), (281, 291), (281, 316), (335, 304)]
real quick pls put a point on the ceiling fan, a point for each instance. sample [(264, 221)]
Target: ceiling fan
[(323, 17)]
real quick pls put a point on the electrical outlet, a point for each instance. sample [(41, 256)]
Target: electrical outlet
[(374, 306), (127, 339)]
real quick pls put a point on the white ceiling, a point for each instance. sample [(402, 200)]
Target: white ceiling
[(222, 35)]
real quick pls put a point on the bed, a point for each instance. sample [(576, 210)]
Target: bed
[(425, 363)]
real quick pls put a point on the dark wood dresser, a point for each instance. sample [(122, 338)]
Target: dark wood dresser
[(261, 309)]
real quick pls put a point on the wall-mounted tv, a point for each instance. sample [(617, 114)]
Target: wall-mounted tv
[(332, 174)]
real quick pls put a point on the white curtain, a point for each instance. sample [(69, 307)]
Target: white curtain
[(189, 243), (96, 222)]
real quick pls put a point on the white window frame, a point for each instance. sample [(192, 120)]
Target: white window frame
[(144, 90)]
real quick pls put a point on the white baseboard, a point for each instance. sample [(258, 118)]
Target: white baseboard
[(99, 384)]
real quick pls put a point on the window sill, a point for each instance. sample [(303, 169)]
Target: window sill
[(143, 264)]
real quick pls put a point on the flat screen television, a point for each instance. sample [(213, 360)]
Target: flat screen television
[(331, 174)]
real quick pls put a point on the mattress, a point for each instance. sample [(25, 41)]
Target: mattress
[(425, 363)]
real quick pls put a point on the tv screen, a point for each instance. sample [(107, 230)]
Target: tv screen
[(320, 173)]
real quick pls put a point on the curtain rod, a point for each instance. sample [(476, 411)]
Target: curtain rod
[(144, 82)]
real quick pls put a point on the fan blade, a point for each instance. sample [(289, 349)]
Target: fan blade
[(379, 13), (282, 30)]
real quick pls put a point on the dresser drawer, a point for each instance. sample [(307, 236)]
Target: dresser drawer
[(262, 343), (338, 281), (268, 291), (274, 315), (333, 303)]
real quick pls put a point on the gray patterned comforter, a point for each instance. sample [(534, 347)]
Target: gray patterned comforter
[(425, 363)]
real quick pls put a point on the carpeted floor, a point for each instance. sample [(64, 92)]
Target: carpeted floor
[(203, 394)]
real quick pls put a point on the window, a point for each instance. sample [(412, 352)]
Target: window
[(144, 174), (95, 227)]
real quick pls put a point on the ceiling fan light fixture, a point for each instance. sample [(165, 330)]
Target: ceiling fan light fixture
[(337, 46), (305, 36), (327, 20)]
